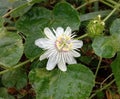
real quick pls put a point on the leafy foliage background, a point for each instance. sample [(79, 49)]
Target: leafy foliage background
[(23, 76)]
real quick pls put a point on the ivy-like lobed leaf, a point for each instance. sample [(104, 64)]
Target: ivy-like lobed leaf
[(73, 84), (116, 70), (16, 78), (115, 27), (11, 48), (37, 19), (34, 21), (5, 5), (65, 15), (31, 50), (115, 33), (103, 47)]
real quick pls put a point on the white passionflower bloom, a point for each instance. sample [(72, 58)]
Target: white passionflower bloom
[(60, 47)]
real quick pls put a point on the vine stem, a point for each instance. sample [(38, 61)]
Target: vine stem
[(12, 68), (85, 35), (110, 14), (106, 3), (105, 80), (15, 9), (100, 60), (101, 89), (20, 7), (111, 1), (3, 67), (91, 1), (17, 66)]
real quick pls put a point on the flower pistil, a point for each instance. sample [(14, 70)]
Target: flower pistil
[(63, 43)]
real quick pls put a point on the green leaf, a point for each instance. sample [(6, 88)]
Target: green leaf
[(5, 5), (73, 84), (16, 78), (116, 70), (4, 94), (11, 48), (31, 50), (92, 15), (38, 64), (1, 22), (65, 15), (34, 21), (115, 27), (22, 7), (104, 47), (38, 18), (115, 32), (115, 39)]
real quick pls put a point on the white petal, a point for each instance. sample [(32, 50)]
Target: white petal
[(68, 31), (61, 63), (45, 55), (59, 31), (75, 53), (50, 53), (77, 44), (62, 66), (51, 63), (49, 33), (53, 59), (44, 43), (70, 59)]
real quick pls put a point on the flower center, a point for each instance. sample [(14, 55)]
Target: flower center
[(63, 43)]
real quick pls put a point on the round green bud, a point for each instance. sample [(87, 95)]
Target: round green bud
[(95, 27)]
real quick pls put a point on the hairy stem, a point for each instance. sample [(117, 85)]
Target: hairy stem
[(100, 60), (106, 3), (15, 9), (111, 1), (111, 13), (91, 1), (101, 89), (21, 7), (83, 36), (106, 80), (18, 65)]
